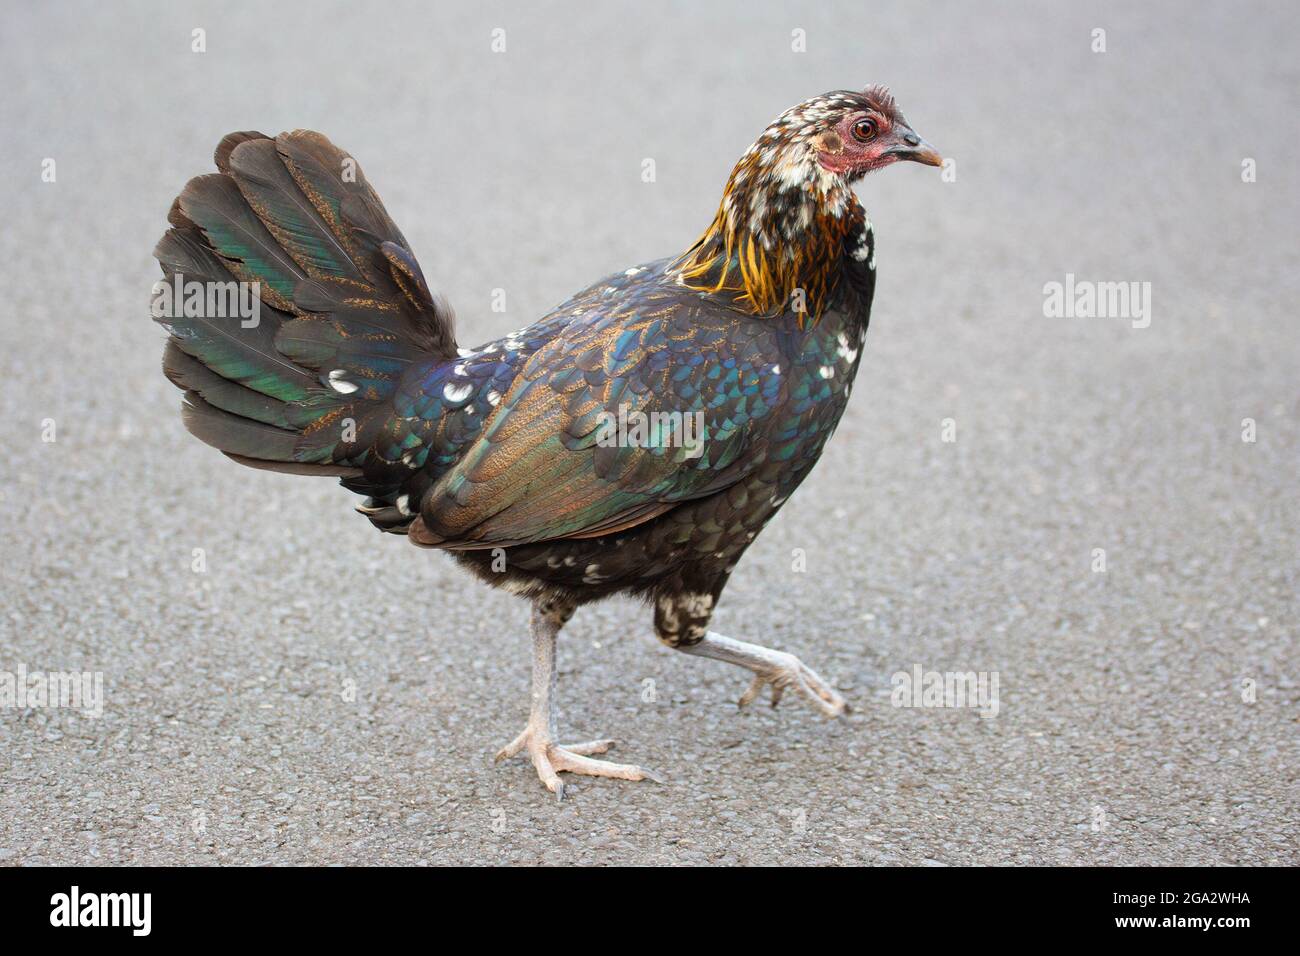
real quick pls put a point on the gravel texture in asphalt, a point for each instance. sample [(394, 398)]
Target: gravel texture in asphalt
[(319, 693)]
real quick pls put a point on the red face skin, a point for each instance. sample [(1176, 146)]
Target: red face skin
[(865, 141)]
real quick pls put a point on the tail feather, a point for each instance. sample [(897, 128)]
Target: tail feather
[(271, 192), (188, 373), (229, 346), (232, 229), (237, 435), (321, 170), (344, 307), (221, 155), (252, 443)]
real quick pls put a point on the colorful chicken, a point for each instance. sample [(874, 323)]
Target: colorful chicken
[(635, 440)]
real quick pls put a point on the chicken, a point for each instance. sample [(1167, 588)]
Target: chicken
[(635, 440)]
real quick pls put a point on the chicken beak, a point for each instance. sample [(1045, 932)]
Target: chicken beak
[(917, 150)]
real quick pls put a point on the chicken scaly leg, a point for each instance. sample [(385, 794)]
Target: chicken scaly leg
[(682, 622), (538, 737), (777, 668)]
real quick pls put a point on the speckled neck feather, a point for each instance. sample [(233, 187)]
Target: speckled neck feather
[(783, 219)]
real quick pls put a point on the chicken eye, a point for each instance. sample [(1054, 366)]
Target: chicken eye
[(864, 131)]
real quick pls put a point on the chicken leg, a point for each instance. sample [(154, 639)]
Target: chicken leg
[(777, 668), (538, 736)]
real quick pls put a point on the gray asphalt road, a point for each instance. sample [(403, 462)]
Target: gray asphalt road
[(320, 693)]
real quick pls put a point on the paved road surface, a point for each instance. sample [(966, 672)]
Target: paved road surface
[(1124, 733)]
